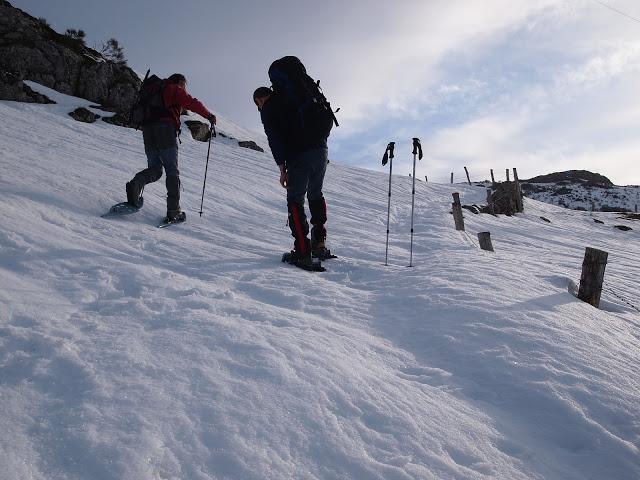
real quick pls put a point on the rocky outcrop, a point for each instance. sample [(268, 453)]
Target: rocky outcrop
[(83, 115), (199, 131), (36, 52), (250, 144), (573, 176), (13, 88)]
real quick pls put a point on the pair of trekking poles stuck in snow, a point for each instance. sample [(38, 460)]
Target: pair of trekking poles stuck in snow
[(388, 157)]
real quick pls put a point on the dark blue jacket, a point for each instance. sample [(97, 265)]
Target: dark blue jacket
[(282, 130)]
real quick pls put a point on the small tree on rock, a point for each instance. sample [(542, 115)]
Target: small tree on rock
[(111, 50), (77, 35)]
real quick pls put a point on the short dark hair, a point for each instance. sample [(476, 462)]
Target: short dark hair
[(177, 78), (261, 92)]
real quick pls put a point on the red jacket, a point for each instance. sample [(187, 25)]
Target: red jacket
[(177, 99)]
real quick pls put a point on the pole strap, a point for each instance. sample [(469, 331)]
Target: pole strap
[(388, 153)]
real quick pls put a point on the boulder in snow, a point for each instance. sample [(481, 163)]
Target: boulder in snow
[(251, 145), (199, 131), (83, 115)]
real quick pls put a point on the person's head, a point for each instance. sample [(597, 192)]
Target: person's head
[(261, 95), (179, 79)]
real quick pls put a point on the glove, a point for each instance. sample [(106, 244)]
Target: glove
[(212, 119)]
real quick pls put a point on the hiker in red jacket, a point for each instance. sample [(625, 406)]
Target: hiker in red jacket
[(161, 146)]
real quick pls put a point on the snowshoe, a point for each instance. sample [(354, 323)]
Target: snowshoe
[(123, 208), (301, 262)]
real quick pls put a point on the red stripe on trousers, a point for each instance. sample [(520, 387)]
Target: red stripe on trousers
[(298, 227)]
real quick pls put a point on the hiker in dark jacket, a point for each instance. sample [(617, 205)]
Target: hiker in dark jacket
[(302, 169), (161, 146)]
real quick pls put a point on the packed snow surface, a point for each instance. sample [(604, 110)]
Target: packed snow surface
[(132, 352)]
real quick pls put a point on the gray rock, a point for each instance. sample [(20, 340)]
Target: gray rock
[(83, 115), (13, 88), (250, 144), (38, 53), (624, 228), (199, 131), (120, 119)]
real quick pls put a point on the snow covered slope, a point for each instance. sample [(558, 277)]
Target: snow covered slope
[(129, 352)]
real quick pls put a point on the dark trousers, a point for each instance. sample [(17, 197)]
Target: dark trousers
[(306, 177), (161, 148)]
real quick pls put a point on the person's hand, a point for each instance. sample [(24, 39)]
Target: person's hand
[(212, 119), (284, 179)]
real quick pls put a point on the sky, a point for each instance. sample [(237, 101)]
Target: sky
[(539, 85)]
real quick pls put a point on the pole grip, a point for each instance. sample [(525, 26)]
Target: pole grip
[(388, 153), (417, 148)]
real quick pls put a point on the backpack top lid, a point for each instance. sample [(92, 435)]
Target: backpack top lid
[(285, 71)]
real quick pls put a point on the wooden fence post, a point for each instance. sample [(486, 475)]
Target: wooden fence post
[(426, 179), (592, 276), (451, 177), (493, 180), (467, 172), (519, 202), (457, 212), (485, 241), (507, 174)]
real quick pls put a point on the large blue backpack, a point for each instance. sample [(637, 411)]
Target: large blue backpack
[(289, 79)]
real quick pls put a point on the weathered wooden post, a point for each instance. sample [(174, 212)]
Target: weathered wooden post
[(519, 202), (485, 241), (457, 212), (592, 276), (636, 208), (507, 174), (467, 172), (493, 180), (451, 177), (426, 179)]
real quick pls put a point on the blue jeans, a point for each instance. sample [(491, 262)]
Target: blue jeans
[(167, 158)]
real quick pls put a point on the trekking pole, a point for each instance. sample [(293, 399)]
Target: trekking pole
[(388, 156), (417, 150), (212, 134)]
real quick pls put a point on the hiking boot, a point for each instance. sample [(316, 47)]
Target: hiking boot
[(175, 216), (133, 194), (317, 247)]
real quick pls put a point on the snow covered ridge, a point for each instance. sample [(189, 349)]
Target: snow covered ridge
[(128, 352), (583, 191)]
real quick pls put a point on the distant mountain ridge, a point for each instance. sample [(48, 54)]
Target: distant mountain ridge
[(582, 190)]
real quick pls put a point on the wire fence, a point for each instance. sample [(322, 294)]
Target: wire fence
[(610, 290)]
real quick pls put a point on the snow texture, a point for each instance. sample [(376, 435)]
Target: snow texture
[(131, 352)]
